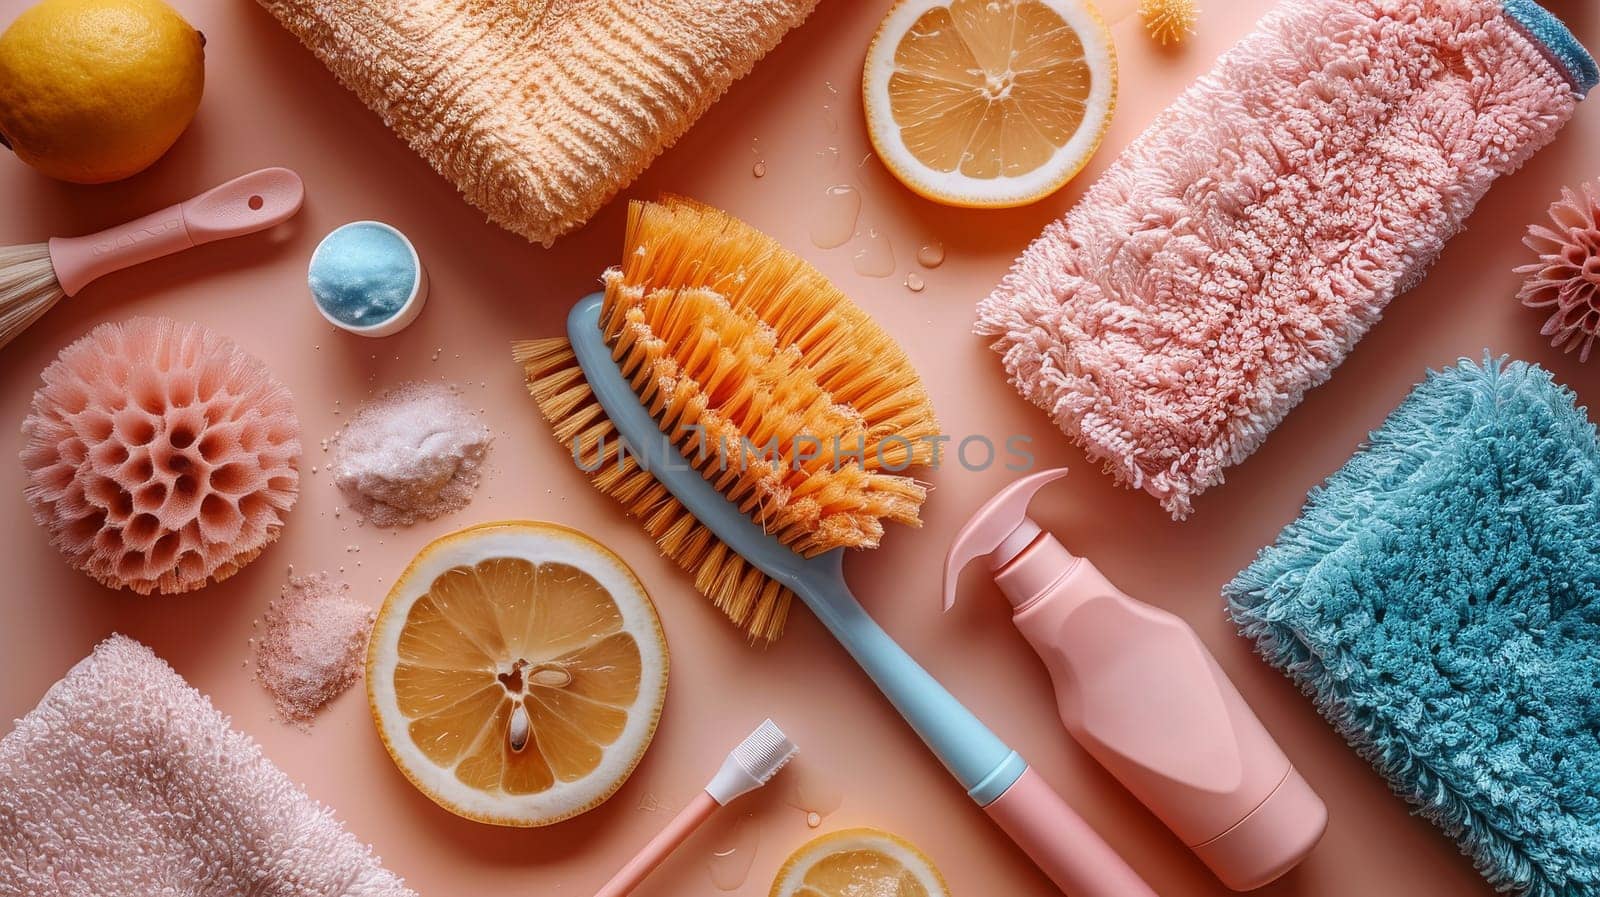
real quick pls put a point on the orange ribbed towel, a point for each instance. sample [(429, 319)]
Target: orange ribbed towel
[(539, 111)]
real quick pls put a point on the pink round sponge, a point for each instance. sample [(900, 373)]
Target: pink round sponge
[(1566, 278), (160, 455)]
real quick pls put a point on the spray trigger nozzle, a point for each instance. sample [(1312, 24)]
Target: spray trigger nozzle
[(1001, 528)]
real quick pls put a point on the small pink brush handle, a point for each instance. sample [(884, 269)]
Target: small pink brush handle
[(244, 205), (676, 832), (1061, 843)]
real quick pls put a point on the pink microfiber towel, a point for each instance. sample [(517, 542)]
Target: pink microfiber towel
[(1233, 255), (539, 110), (125, 782)]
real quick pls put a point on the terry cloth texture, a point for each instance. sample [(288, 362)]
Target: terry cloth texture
[(1237, 250), (125, 782), (539, 110), (1439, 599)]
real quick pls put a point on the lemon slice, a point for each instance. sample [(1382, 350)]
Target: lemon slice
[(516, 672), (859, 862), (989, 103)]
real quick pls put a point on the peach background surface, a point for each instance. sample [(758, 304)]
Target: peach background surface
[(268, 102)]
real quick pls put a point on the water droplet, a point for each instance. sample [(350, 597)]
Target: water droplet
[(811, 792), (874, 257), (930, 254), (834, 219), (759, 169), (730, 861), (914, 282)]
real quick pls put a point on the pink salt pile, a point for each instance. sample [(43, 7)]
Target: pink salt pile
[(313, 646), (411, 454)]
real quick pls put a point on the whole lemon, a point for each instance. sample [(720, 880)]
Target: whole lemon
[(97, 90)]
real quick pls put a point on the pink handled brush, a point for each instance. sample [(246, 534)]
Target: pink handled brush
[(756, 760), (35, 277)]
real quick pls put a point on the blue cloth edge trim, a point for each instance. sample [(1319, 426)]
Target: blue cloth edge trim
[(1552, 36)]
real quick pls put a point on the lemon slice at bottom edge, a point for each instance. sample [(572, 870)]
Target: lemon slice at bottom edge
[(516, 672), (857, 862)]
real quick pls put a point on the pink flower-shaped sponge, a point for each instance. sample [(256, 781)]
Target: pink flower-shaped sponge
[(160, 455), (1566, 278)]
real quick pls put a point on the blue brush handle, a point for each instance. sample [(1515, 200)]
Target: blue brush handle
[(1063, 845), (1055, 837), (978, 759)]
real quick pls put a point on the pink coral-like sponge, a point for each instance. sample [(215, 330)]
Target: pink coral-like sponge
[(1566, 278), (160, 455)]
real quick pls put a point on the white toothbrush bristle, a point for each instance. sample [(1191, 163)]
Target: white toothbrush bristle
[(765, 751)]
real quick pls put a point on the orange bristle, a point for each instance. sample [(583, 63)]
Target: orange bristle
[(737, 346)]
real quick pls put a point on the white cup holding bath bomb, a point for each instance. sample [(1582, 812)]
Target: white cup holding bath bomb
[(366, 278)]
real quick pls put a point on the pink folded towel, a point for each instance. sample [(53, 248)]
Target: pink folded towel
[(1233, 255), (126, 782)]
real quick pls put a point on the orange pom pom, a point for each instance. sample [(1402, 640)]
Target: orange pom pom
[(1169, 21)]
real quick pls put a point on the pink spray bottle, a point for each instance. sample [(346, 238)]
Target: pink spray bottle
[(1138, 689)]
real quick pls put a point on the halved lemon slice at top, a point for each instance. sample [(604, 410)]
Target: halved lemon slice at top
[(989, 103), (516, 672)]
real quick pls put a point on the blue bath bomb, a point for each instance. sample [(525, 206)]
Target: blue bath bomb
[(362, 274)]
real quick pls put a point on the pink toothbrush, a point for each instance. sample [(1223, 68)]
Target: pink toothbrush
[(747, 768), (35, 277)]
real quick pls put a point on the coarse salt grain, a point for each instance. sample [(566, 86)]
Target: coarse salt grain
[(313, 646), (411, 454)]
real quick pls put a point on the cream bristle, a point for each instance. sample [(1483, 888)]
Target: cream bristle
[(1169, 21), (753, 602), (28, 288), (728, 339)]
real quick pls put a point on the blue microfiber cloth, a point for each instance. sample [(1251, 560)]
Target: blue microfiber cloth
[(1439, 600)]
